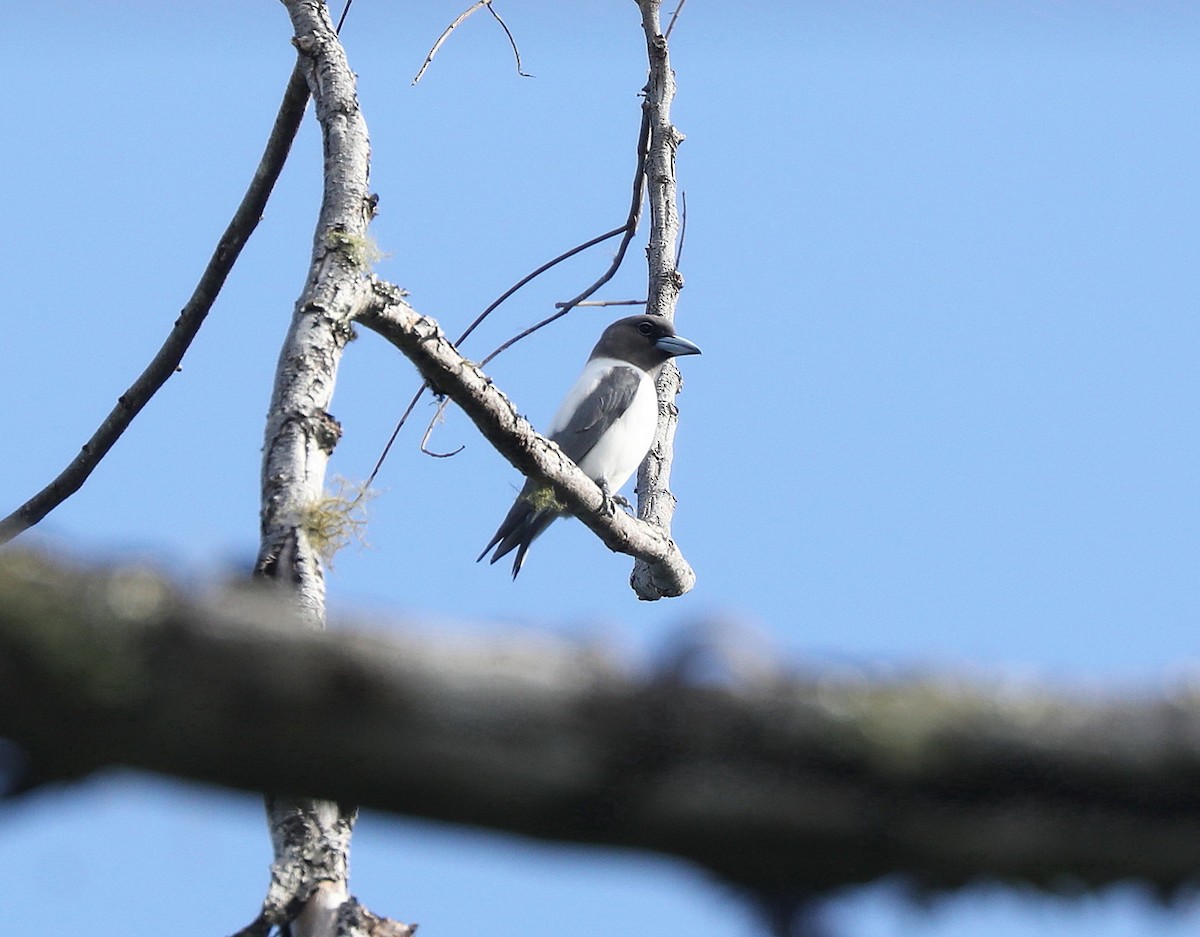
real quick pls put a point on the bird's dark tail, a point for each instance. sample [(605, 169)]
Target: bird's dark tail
[(521, 526)]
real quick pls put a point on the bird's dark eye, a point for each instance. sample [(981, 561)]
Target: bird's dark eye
[(646, 328)]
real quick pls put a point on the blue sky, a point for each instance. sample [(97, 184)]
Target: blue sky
[(941, 258)]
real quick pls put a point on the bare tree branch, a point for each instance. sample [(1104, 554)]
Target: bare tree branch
[(626, 230), (660, 571), (606, 302), (783, 783), (631, 225), (511, 39), (495, 304), (300, 433), (656, 503), (166, 361), (458, 21), (665, 572), (311, 838), (449, 373), (670, 25)]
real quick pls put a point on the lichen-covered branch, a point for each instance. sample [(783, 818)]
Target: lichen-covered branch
[(449, 373), (784, 783), (300, 432), (311, 838), (656, 503)]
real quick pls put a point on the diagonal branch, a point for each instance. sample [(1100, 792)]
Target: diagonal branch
[(495, 304), (458, 21), (449, 373), (166, 362), (626, 230)]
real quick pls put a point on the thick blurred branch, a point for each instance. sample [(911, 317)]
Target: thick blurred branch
[(798, 783)]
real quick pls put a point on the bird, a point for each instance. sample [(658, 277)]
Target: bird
[(605, 424)]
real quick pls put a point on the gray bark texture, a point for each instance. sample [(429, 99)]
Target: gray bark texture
[(310, 837), (656, 503), (783, 783)]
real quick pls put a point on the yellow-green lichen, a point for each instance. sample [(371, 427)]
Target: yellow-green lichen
[(361, 249), (542, 499), (338, 518)]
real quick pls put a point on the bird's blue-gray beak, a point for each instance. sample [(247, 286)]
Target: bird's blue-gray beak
[(675, 345)]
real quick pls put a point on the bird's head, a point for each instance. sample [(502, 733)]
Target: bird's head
[(646, 341)]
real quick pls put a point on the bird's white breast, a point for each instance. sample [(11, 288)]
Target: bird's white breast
[(620, 451)]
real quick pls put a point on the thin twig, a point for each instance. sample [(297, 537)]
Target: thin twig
[(682, 227), (166, 361), (566, 255), (674, 17), (342, 19), (528, 278), (429, 432), (606, 302), (630, 228), (511, 41), (412, 405), (438, 416), (462, 17), (446, 35), (631, 225)]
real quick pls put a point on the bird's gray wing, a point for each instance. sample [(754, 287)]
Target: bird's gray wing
[(597, 411), (590, 417)]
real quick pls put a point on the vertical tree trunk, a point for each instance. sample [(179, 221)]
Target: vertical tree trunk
[(656, 504), (311, 838)]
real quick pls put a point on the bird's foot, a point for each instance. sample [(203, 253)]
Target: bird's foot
[(612, 500)]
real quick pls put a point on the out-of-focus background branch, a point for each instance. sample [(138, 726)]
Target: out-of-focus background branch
[(778, 782)]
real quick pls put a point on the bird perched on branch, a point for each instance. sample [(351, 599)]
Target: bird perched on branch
[(606, 424)]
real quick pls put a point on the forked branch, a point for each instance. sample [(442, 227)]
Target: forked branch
[(458, 21)]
